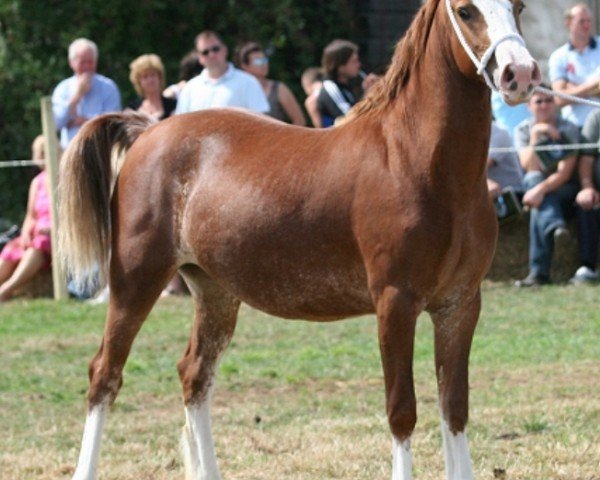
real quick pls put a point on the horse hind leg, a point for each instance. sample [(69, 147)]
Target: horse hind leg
[(90, 444), (130, 302), (454, 328), (215, 319)]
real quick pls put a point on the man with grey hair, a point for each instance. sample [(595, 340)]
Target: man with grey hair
[(84, 95), (79, 98), (575, 66)]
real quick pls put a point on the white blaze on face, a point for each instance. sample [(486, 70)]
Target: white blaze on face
[(500, 20)]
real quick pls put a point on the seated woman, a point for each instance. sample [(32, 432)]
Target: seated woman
[(147, 74), (24, 256), (251, 58)]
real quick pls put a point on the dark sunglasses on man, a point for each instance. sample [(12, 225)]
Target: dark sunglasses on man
[(207, 51)]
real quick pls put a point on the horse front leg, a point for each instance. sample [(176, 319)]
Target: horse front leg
[(454, 326), (396, 315)]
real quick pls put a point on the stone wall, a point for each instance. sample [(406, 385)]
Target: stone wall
[(512, 253)]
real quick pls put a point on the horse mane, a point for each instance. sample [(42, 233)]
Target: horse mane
[(407, 54)]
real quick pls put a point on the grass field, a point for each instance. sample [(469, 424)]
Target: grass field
[(297, 400)]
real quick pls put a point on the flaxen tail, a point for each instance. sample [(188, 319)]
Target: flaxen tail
[(87, 172)]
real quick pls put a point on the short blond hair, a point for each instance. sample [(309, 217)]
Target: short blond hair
[(142, 64), (38, 148), (568, 15)]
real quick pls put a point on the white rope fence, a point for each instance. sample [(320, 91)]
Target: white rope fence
[(550, 148), (17, 163)]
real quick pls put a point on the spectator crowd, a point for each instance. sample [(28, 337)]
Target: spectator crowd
[(530, 163), (559, 180)]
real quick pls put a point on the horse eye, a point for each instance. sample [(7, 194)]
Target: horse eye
[(464, 14), (520, 8)]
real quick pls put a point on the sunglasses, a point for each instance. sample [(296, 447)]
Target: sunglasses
[(544, 100), (260, 61), (208, 51)]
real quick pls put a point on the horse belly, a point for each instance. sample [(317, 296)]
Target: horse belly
[(319, 295), (298, 289)]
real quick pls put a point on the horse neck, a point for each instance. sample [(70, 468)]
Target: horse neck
[(448, 114)]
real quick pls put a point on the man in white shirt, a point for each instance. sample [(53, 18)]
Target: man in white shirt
[(575, 66), (220, 84)]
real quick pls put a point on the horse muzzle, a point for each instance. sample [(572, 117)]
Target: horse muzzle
[(516, 74)]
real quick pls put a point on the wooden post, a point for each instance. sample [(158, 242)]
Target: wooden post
[(59, 280)]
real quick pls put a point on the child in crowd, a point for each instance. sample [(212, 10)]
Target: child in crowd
[(24, 256), (312, 82)]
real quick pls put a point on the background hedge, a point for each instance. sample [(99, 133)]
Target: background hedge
[(34, 37)]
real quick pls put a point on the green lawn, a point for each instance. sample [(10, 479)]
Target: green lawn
[(297, 400)]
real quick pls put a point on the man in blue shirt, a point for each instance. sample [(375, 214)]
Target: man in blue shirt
[(575, 66), (84, 95)]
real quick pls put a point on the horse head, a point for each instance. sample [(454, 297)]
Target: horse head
[(488, 42)]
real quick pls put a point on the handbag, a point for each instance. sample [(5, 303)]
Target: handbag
[(508, 206), (550, 158), (8, 235)]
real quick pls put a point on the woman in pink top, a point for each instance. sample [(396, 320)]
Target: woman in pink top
[(29, 253)]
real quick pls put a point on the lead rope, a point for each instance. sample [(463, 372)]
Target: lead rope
[(571, 98), (482, 64)]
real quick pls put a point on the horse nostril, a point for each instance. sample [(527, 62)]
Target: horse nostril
[(520, 78), (507, 80)]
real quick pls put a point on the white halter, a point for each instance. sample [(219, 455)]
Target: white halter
[(481, 64)]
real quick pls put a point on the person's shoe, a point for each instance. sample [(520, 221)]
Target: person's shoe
[(584, 275), (532, 280), (563, 245)]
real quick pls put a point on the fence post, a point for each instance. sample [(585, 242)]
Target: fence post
[(59, 280)]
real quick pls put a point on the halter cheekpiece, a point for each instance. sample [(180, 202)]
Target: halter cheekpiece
[(482, 63)]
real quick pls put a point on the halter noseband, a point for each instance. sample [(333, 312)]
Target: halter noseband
[(481, 64)]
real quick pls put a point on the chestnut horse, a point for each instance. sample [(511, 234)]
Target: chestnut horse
[(386, 213)]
